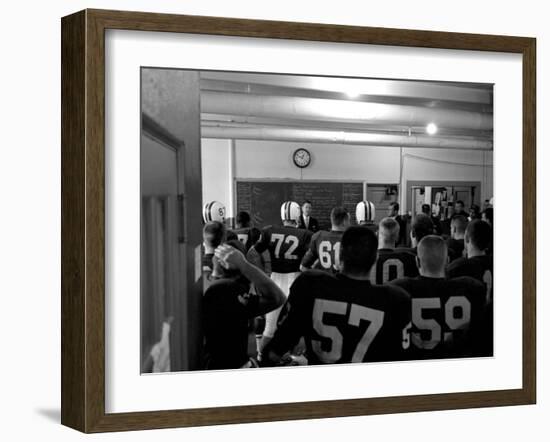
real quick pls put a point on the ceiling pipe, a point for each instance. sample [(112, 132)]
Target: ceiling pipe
[(341, 111), (342, 137), (381, 96)]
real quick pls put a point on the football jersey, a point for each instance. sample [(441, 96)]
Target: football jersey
[(247, 235), (287, 246), (393, 264), (456, 248), (226, 323), (447, 316), (478, 267), (343, 320), (325, 250)]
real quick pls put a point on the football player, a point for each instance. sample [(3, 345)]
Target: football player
[(213, 234), (246, 234), (447, 314), (421, 226), (324, 248), (455, 243), (287, 245), (391, 264), (228, 305), (365, 213), (478, 264), (343, 317)]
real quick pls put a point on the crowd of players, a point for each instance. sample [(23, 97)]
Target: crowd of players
[(396, 290)]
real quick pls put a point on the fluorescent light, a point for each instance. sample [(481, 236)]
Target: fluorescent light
[(431, 129)]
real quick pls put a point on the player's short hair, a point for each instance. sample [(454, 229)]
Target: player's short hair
[(358, 250), (460, 202), (230, 273), (459, 223), (214, 233), (389, 229), (307, 202), (432, 253), (489, 214), (480, 234), (243, 219), (422, 226), (394, 205), (338, 216), (426, 209)]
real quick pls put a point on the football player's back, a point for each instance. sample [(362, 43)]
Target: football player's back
[(391, 263), (244, 232), (447, 314), (343, 317), (324, 250), (287, 246), (346, 320), (479, 265)]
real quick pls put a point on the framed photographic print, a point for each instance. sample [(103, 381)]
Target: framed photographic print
[(271, 220)]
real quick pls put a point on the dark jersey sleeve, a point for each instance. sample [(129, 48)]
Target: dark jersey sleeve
[(231, 235), (312, 252), (263, 243), (293, 325)]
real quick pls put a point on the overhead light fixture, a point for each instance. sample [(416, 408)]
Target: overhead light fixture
[(352, 94), (431, 129)]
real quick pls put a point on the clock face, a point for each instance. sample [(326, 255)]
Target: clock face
[(302, 158)]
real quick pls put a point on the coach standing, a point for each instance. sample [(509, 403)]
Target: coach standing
[(306, 220)]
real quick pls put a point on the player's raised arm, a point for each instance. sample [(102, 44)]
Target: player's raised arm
[(291, 324), (271, 296)]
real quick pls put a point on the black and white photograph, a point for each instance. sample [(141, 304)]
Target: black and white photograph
[(341, 220)]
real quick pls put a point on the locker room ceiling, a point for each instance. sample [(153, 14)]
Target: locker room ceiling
[(346, 110)]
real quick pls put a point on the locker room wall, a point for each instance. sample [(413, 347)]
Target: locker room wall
[(273, 159)]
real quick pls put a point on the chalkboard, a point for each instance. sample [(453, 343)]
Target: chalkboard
[(263, 199)]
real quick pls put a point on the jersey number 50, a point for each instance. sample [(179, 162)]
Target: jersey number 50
[(375, 319)]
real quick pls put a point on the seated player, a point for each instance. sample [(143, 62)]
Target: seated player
[(365, 213), (213, 234), (246, 234), (343, 317), (478, 263), (324, 248), (421, 226), (287, 245), (455, 243), (447, 314), (391, 264), (228, 305)]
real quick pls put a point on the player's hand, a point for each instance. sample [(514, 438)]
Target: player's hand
[(229, 257)]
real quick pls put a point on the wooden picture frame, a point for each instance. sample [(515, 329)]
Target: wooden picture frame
[(83, 219)]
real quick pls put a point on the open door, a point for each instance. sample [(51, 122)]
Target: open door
[(171, 337)]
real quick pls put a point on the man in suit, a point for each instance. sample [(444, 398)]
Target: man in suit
[(306, 221)]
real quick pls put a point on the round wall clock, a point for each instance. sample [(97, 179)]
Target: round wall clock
[(301, 157)]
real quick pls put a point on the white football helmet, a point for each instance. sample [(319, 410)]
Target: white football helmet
[(290, 211), (213, 211), (365, 211)]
